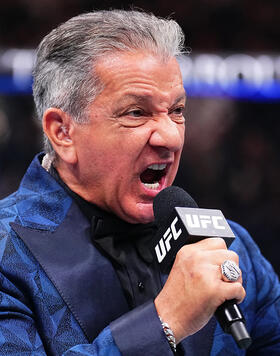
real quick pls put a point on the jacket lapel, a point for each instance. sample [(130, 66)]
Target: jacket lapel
[(83, 277)]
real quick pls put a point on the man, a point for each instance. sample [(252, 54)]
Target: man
[(77, 277)]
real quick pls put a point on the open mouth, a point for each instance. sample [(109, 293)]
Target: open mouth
[(152, 176)]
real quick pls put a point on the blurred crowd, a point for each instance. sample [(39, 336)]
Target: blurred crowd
[(231, 160), (210, 25)]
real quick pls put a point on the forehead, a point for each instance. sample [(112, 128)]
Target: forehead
[(139, 72)]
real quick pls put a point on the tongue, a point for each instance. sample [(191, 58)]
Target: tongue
[(150, 176)]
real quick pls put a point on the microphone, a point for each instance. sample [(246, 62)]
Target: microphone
[(181, 222)]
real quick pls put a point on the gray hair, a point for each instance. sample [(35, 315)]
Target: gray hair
[(64, 69)]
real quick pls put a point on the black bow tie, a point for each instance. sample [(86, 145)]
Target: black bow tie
[(112, 234)]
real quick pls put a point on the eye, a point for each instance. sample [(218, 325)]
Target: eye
[(178, 111), (133, 117), (135, 113), (177, 114)]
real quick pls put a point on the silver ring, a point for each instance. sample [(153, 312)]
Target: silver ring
[(230, 271)]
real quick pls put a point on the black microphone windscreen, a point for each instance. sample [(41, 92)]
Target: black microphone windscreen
[(167, 200)]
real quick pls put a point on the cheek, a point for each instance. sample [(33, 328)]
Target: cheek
[(112, 152), (182, 131), (130, 143)]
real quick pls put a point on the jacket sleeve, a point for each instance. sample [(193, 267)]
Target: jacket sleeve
[(262, 303), (136, 333)]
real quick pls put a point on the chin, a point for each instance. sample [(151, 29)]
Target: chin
[(141, 214), (145, 214)]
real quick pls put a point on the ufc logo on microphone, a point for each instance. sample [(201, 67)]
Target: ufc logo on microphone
[(204, 221), (164, 243)]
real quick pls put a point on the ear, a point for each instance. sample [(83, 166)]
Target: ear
[(58, 126)]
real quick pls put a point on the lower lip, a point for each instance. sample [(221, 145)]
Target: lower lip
[(153, 192)]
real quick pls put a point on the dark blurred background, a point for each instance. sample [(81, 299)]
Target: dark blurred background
[(231, 160)]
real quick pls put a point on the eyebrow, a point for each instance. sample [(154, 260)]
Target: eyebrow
[(147, 97), (181, 97)]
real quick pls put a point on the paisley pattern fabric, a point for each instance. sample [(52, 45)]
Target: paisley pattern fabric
[(60, 296)]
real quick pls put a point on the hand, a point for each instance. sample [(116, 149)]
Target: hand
[(195, 288)]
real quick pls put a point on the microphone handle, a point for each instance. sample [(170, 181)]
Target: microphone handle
[(232, 321)]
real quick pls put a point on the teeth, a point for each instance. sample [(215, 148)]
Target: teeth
[(152, 186), (157, 167)]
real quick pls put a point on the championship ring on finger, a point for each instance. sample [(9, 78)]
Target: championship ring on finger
[(230, 271)]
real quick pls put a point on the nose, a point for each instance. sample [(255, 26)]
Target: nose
[(167, 134)]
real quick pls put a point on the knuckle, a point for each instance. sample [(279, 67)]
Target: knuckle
[(183, 253), (189, 252), (238, 288), (218, 242), (233, 256)]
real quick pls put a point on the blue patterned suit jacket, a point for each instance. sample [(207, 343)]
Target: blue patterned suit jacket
[(60, 296)]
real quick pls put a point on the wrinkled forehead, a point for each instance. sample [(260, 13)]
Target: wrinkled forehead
[(140, 74)]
